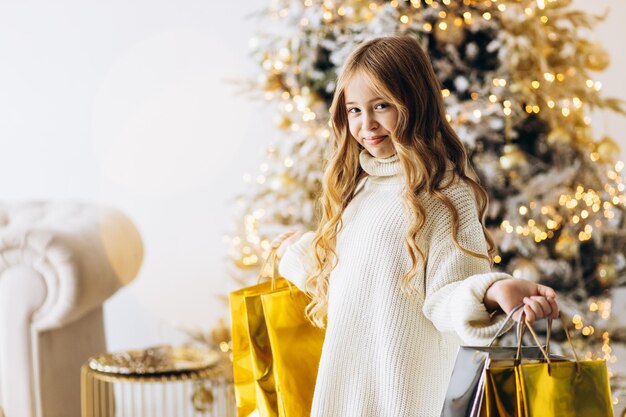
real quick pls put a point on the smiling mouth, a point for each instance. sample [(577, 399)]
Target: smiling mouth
[(373, 140)]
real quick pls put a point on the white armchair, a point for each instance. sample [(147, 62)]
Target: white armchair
[(59, 262)]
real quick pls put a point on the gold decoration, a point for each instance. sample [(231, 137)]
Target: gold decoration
[(566, 246), (154, 360), (525, 269), (557, 4), (606, 272), (209, 390), (220, 333), (513, 157), (202, 398), (283, 122), (607, 149), (584, 137), (558, 136), (597, 58), (450, 30), (273, 81)]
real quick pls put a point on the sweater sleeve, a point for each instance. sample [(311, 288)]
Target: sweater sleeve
[(456, 282), (297, 262)]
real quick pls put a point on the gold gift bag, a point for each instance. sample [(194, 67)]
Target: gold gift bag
[(502, 396), (276, 350), (565, 389), (553, 388)]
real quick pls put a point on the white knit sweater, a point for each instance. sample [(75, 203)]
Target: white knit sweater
[(387, 354)]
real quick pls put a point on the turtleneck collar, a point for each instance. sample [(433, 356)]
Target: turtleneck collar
[(382, 170)]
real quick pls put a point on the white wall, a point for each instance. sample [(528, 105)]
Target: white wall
[(611, 33), (124, 102)]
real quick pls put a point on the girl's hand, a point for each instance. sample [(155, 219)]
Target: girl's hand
[(283, 241), (539, 300)]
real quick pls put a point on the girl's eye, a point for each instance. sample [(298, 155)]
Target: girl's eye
[(353, 110), (381, 106)]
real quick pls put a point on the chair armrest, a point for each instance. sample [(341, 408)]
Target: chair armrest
[(84, 253)]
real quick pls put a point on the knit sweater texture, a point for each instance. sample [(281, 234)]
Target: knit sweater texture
[(387, 353)]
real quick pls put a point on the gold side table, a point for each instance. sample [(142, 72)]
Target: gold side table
[(158, 382)]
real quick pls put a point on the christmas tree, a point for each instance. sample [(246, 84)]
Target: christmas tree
[(517, 83)]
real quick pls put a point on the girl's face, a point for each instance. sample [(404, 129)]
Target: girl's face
[(370, 119)]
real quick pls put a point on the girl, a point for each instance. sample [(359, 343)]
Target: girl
[(399, 266)]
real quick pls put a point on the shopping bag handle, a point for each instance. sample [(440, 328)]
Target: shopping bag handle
[(506, 323), (272, 258), (519, 332), (546, 351)]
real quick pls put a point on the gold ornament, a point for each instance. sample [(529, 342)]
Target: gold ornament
[(273, 81), (552, 52), (584, 135), (597, 58), (220, 333), (558, 136), (283, 122), (513, 157), (525, 269), (202, 397), (566, 246), (606, 272), (607, 149), (450, 30)]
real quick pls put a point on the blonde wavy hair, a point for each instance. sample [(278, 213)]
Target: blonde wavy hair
[(400, 73)]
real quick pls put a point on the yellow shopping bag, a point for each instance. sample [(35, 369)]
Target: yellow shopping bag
[(552, 388), (502, 396), (565, 389), (276, 350)]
